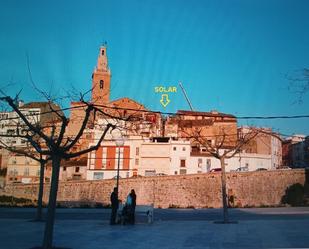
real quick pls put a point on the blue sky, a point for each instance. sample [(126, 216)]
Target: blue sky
[(232, 56)]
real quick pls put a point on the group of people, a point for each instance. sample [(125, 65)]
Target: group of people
[(128, 211)]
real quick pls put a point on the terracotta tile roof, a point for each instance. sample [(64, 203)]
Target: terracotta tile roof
[(208, 114), (39, 105), (119, 101)]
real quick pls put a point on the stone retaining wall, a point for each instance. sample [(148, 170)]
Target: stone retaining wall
[(260, 188)]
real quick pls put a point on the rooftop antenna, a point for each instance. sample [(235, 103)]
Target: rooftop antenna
[(185, 94)]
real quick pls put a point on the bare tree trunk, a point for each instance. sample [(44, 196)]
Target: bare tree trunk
[(224, 197), (40, 195), (49, 226)]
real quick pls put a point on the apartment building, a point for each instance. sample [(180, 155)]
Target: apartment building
[(140, 156), (265, 143), (165, 156), (296, 151), (22, 169)]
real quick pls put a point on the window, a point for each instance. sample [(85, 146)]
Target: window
[(98, 175), (10, 132), (246, 168), (182, 163), (137, 151), (183, 148), (174, 148), (76, 177), (101, 84), (183, 172), (200, 161), (77, 170), (208, 164), (64, 168), (102, 52), (150, 172), (136, 161)]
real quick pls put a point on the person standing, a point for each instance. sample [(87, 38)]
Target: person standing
[(127, 211), (115, 204), (133, 205)]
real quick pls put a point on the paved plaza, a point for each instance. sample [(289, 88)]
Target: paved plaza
[(172, 228)]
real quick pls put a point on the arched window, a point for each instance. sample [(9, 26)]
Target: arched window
[(102, 51), (101, 84)]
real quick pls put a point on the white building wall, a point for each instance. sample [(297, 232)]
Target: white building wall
[(22, 169), (106, 174), (70, 173), (155, 157), (180, 150), (10, 121), (204, 163), (250, 161), (165, 158)]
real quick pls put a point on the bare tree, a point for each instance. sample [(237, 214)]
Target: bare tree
[(223, 146), (25, 150), (52, 143)]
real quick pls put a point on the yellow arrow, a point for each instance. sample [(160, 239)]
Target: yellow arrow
[(164, 100)]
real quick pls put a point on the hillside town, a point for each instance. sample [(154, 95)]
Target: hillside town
[(145, 143)]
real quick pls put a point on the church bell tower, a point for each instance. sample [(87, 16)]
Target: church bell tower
[(101, 80)]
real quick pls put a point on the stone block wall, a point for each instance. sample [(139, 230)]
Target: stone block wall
[(260, 188)]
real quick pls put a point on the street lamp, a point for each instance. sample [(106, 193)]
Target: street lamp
[(119, 142)]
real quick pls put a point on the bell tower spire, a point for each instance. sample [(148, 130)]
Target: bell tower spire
[(102, 64), (101, 79)]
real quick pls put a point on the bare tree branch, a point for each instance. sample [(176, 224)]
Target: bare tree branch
[(95, 147), (299, 83), (33, 128), (88, 111)]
